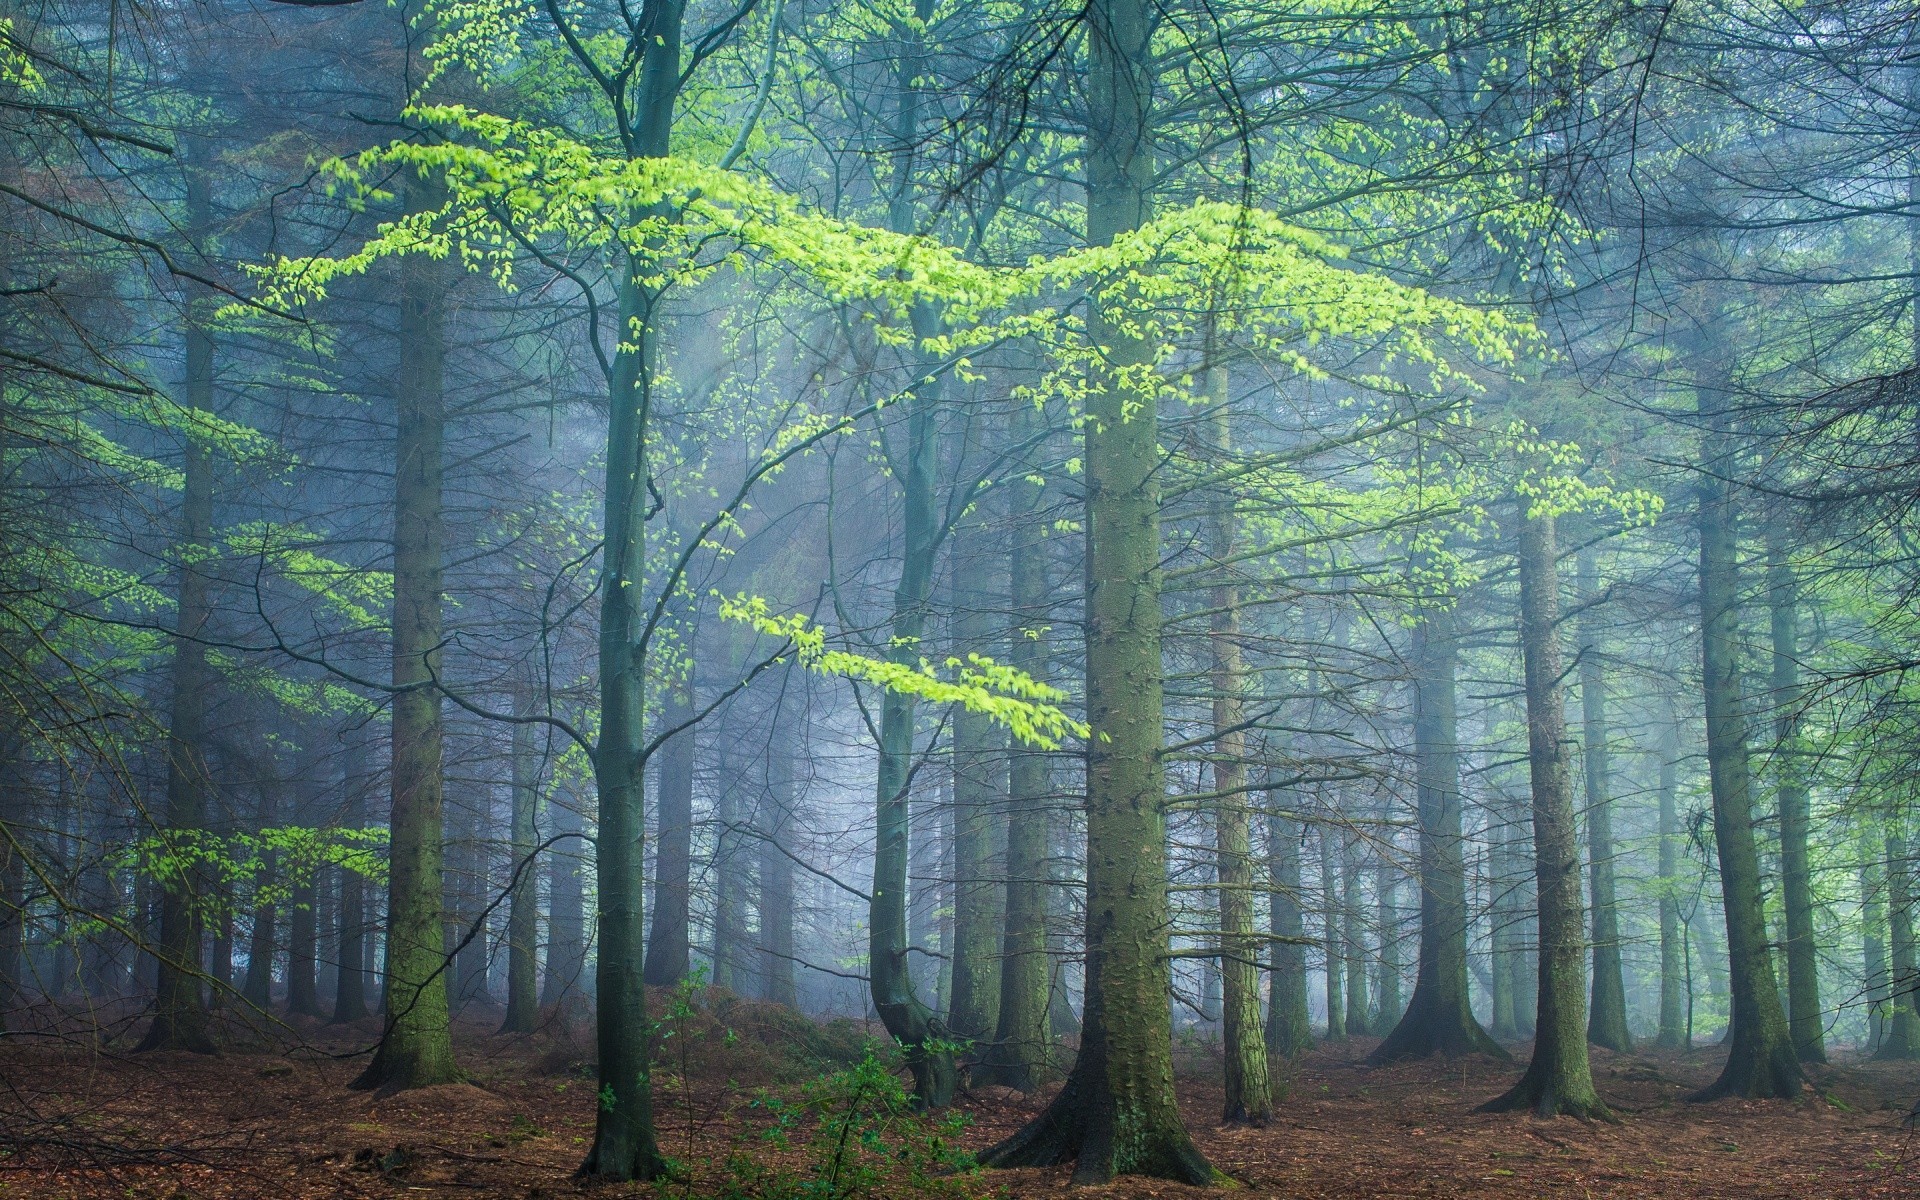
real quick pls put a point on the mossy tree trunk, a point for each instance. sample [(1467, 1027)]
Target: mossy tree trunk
[(1116, 1113), (1900, 986), (1760, 1057), (785, 752), (1249, 1090), (1332, 934), (1020, 1056), (669, 944), (416, 1049), (979, 788), (1607, 1012), (923, 1036), (1674, 1023), (1289, 1027), (624, 1146), (1792, 803), (1439, 1017), (1559, 1079)]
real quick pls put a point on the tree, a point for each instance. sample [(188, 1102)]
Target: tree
[(1558, 1080), (1761, 1061), (180, 1020), (416, 1049), (1439, 1017), (1607, 1019), (1805, 1021), (1116, 1114)]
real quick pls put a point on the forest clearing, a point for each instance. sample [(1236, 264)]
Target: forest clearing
[(823, 599)]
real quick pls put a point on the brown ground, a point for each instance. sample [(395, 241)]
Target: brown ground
[(74, 1123)]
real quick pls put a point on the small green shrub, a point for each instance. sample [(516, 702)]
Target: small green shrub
[(858, 1135)]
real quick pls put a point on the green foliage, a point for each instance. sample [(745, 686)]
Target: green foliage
[(858, 1134), (1003, 694)]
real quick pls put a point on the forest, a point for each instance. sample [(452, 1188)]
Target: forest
[(793, 600)]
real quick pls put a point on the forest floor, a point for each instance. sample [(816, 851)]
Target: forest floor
[(79, 1122)]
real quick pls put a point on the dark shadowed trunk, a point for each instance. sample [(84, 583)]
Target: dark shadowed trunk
[(1439, 1018)]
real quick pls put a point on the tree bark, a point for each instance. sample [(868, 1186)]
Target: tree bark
[(181, 1020), (979, 798), (777, 820), (1792, 801), (523, 902), (1674, 1017), (1289, 1027), (1439, 1017), (1760, 1058), (1116, 1114), (1901, 988), (1331, 906), (1607, 1013), (669, 941), (1020, 1056), (566, 907), (921, 1033), (1559, 1079), (1249, 1089), (416, 1049)]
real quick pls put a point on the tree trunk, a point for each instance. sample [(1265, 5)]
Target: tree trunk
[(523, 902), (1760, 1056), (1607, 1015), (1020, 1056), (979, 801), (180, 1019), (1559, 1079), (920, 1032), (669, 941), (1804, 1023), (777, 819), (1289, 1027), (1116, 1113), (566, 906), (303, 947), (1902, 987), (1353, 936), (624, 1146), (416, 1049), (1674, 1017), (1331, 906), (1249, 1090), (1439, 1018)]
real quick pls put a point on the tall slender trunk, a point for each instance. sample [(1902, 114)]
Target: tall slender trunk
[(566, 906), (979, 795), (1559, 1079), (180, 1019), (1116, 1114), (1607, 1015), (416, 1049), (523, 902), (668, 941), (1804, 1022), (1353, 934), (624, 1146), (906, 1016), (257, 989), (350, 984), (1873, 942), (1386, 893), (1289, 1027), (1439, 1017), (730, 871), (1673, 950), (1249, 1089), (1760, 1057), (1902, 988), (785, 751), (1333, 939), (1021, 1051)]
